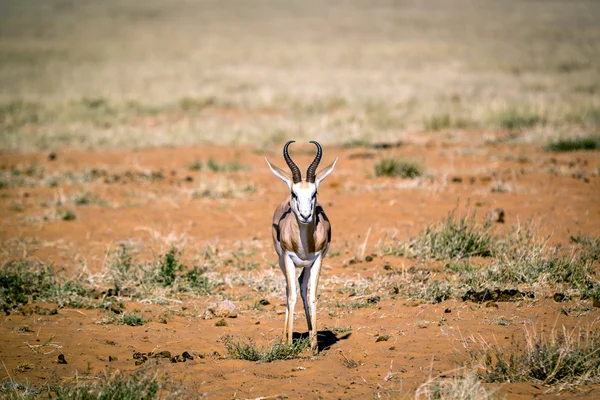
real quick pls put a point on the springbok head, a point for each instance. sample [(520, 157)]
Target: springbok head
[(304, 192)]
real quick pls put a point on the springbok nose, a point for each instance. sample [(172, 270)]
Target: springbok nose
[(305, 216)]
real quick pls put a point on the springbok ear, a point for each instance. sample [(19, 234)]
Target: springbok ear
[(281, 174), (324, 172)]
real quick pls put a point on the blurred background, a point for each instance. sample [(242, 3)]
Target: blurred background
[(138, 73)]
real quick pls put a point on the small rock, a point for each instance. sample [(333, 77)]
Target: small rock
[(382, 338), (221, 322), (496, 215), (110, 306), (374, 300), (186, 356), (62, 359), (178, 358), (45, 311), (162, 354), (559, 297), (222, 309), (111, 358), (447, 311), (52, 156), (264, 302), (25, 310)]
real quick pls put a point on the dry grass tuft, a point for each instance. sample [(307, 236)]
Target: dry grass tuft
[(561, 359)]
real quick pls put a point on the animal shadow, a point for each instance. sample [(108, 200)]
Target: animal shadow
[(325, 339)]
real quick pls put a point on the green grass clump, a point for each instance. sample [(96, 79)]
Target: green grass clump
[(591, 142), (399, 168), (437, 122), (232, 166), (570, 358), (67, 215), (23, 281), (513, 119), (19, 114), (434, 292), (454, 238), (168, 272), (195, 166), (141, 385), (132, 319), (169, 266), (251, 352), (522, 260), (128, 318)]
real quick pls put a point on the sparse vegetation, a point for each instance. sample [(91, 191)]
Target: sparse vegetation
[(26, 280), (492, 103), (195, 166), (222, 189), (437, 122), (168, 272), (215, 166), (132, 319), (524, 259), (519, 259), (141, 384), (67, 215), (514, 119), (251, 352), (454, 238), (468, 387), (169, 267), (398, 168), (341, 329), (445, 121), (591, 142), (563, 358)]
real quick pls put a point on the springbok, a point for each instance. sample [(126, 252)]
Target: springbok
[(301, 235)]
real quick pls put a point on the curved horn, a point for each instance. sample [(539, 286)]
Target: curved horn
[(311, 172), (296, 175)]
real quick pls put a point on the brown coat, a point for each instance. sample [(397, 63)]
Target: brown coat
[(286, 230)]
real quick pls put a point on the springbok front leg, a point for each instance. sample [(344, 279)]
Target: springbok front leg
[(315, 271), (290, 277)]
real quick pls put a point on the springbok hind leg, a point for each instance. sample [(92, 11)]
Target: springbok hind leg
[(303, 281)]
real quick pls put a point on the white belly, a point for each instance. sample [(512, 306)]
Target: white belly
[(304, 260)]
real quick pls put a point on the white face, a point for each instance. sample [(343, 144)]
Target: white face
[(304, 201)]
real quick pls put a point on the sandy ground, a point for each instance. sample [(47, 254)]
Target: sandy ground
[(559, 192)]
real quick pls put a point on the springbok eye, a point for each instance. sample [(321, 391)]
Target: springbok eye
[(294, 196)]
